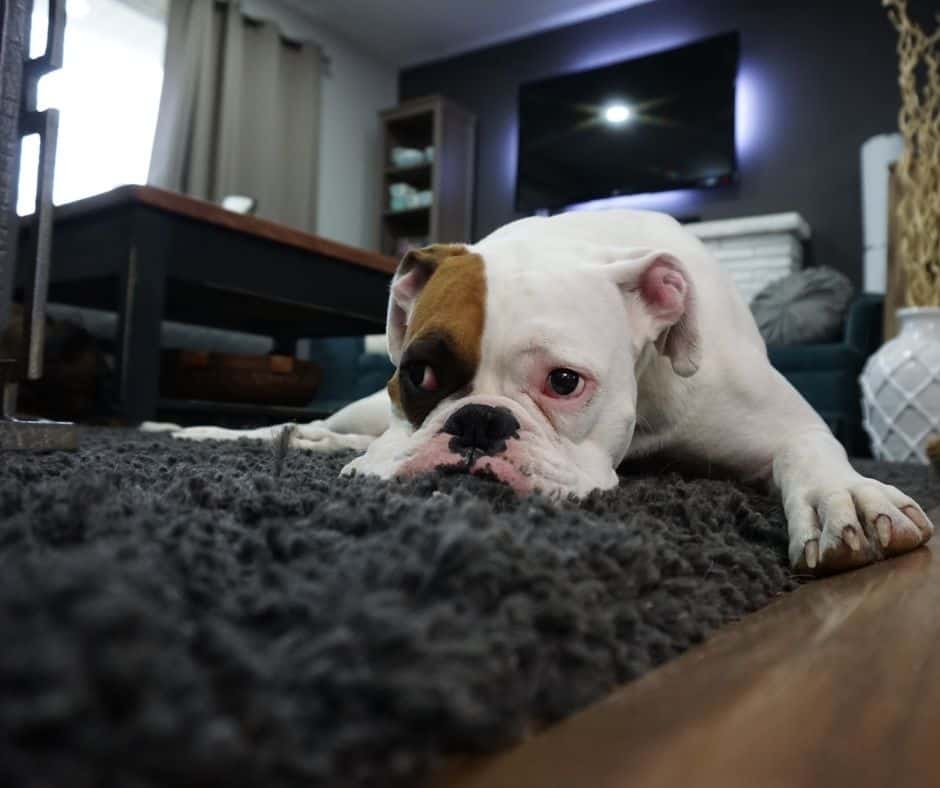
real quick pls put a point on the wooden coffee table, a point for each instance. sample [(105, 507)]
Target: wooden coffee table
[(152, 255)]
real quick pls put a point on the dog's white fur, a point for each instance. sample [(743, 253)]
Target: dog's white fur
[(691, 385)]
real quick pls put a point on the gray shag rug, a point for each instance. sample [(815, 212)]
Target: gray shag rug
[(179, 614)]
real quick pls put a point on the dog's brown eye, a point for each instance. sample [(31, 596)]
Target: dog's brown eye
[(421, 376), (563, 382)]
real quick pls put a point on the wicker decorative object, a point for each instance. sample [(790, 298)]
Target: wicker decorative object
[(918, 170), (226, 377)]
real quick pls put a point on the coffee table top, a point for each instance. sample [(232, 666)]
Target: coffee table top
[(210, 213)]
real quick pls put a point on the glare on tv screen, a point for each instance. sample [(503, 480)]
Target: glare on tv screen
[(663, 121)]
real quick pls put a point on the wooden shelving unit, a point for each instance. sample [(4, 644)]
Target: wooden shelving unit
[(441, 124)]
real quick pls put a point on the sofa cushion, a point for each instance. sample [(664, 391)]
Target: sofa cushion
[(820, 358), (805, 307)]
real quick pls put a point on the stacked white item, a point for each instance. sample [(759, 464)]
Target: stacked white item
[(756, 250), (878, 153)]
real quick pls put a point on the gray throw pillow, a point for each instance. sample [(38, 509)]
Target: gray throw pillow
[(804, 307)]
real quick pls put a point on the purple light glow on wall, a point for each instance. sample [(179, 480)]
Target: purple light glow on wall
[(749, 114), (511, 150), (615, 53), (677, 201)]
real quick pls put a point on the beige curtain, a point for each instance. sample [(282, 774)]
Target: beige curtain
[(239, 112)]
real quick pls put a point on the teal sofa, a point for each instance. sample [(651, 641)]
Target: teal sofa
[(349, 373), (827, 374)]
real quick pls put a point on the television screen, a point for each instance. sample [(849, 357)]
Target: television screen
[(664, 121)]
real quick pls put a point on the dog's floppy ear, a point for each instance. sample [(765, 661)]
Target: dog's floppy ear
[(414, 271), (663, 299)]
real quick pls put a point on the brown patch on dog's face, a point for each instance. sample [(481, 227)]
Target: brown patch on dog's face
[(394, 391), (444, 332)]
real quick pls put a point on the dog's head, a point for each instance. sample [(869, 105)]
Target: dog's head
[(518, 359)]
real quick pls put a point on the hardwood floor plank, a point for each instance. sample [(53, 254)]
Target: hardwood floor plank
[(835, 684)]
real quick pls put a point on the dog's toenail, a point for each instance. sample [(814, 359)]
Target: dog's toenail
[(850, 537), (883, 526), (919, 520), (811, 553)]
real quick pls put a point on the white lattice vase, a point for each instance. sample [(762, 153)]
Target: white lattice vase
[(901, 388)]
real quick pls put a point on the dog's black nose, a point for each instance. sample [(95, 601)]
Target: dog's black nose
[(480, 427)]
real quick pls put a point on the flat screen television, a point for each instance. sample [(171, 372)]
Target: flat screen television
[(663, 121)]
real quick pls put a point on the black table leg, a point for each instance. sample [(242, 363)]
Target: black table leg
[(143, 284)]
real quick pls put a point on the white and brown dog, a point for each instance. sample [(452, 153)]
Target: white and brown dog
[(557, 348)]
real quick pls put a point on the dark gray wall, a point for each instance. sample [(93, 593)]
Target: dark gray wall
[(817, 79)]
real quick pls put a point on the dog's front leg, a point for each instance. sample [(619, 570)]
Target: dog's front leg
[(354, 427), (837, 519)]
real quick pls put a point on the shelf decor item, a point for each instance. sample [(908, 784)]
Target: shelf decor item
[(406, 157), (901, 382)]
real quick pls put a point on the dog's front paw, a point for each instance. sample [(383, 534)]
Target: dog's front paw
[(222, 434), (203, 434), (158, 426), (842, 526), (318, 438)]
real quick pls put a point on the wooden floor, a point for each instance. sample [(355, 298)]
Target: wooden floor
[(836, 684)]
